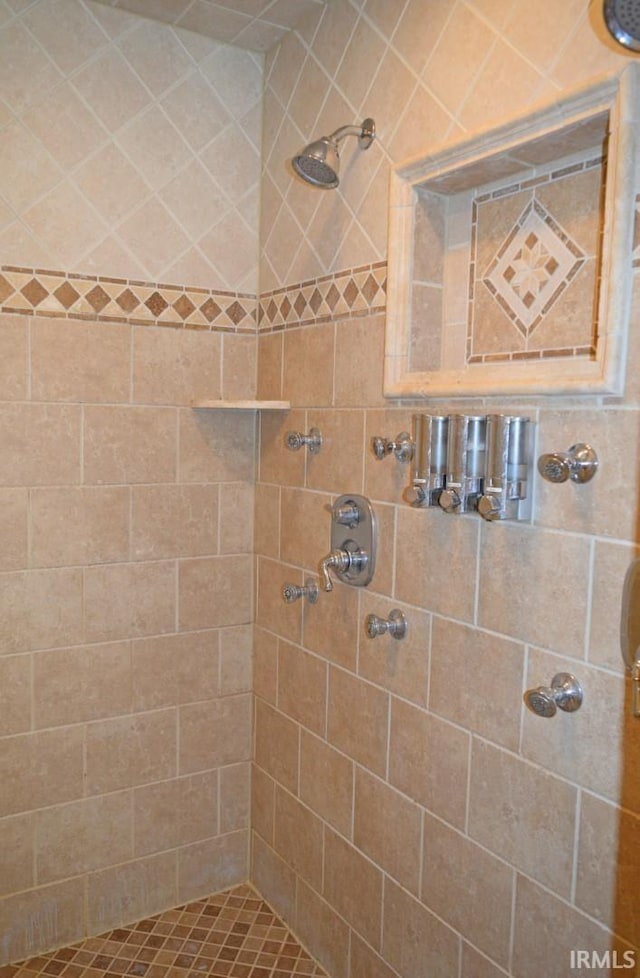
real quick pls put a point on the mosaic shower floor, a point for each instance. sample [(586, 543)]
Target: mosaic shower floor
[(234, 934)]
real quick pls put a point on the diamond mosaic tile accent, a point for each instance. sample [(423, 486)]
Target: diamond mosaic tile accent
[(54, 293), (533, 267), (234, 934), (358, 291)]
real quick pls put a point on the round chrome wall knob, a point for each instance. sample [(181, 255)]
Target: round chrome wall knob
[(564, 693)]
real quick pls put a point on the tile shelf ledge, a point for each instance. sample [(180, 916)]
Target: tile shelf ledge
[(248, 405)]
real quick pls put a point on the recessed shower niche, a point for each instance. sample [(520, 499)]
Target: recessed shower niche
[(510, 253)]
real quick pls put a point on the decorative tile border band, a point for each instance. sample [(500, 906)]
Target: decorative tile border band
[(636, 234), (354, 292), (38, 292)]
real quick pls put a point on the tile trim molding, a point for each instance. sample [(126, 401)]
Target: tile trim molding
[(69, 295)]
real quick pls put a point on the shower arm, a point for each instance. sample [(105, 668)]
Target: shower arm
[(365, 133)]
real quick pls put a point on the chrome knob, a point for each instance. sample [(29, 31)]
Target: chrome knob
[(396, 625), (564, 693), (347, 515), (293, 592), (294, 440), (579, 463), (401, 446), (416, 496)]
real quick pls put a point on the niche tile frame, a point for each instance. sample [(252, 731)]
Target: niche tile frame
[(434, 203)]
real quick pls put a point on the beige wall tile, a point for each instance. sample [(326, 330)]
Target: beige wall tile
[(129, 444), (387, 827), (13, 357), (452, 544), (173, 521), (83, 836), (400, 666), (302, 687), (131, 891), (15, 694), (236, 646), (239, 367), (323, 931), (42, 769), (364, 386), (353, 887), (594, 749), (128, 751), (214, 733), (216, 446), (614, 434), (263, 799), (172, 669), (537, 840), (76, 361), (358, 719), (299, 837), (214, 865), (326, 782), (330, 627), (308, 366), (270, 354), (277, 745), (274, 879), (13, 529), (41, 609), (272, 612), (555, 568), (475, 965), (236, 517), (277, 463), (17, 842), (172, 366), (537, 912), (267, 521), (386, 479), (265, 665), (129, 600), (306, 527), (468, 888), (429, 761), (365, 963), (78, 525), (414, 940), (175, 813), (214, 591), (334, 468), (40, 426), (235, 797), (22, 925), (610, 564), (498, 669), (608, 866), (82, 683)]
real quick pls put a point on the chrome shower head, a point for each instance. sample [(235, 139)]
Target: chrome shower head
[(319, 162), (622, 18)]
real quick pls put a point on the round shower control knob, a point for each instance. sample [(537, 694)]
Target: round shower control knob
[(564, 693)]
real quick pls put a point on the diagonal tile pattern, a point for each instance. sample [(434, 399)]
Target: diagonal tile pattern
[(234, 934)]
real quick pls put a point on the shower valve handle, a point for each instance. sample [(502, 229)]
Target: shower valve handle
[(401, 446)]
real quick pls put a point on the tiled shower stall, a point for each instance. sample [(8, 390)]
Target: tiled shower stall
[(169, 726)]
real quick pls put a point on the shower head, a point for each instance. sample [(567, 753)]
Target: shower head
[(622, 18), (319, 162)]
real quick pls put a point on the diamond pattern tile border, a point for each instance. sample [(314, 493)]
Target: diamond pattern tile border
[(234, 934), (39, 292), (345, 294)]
